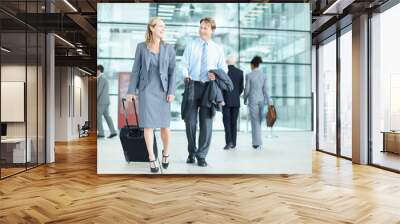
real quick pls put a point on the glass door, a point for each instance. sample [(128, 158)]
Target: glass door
[(385, 90), (14, 155), (346, 93), (22, 77), (327, 96)]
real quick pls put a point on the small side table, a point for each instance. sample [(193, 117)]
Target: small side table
[(391, 141)]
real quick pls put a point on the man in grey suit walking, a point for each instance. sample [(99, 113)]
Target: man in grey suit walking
[(256, 97), (201, 56), (103, 102)]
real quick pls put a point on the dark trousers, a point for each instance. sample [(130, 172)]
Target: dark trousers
[(195, 109), (229, 117)]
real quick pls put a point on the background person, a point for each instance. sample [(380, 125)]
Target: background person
[(230, 111), (103, 103), (256, 96)]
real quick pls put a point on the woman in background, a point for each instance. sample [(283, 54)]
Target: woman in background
[(256, 97), (153, 85)]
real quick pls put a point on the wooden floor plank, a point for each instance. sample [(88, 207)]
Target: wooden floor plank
[(70, 191)]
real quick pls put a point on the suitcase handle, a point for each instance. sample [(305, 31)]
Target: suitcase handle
[(126, 113)]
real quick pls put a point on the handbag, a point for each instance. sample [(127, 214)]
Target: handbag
[(271, 115)]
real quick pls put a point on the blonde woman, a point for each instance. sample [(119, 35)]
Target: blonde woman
[(153, 85)]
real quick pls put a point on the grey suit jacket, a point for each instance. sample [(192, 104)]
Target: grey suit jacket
[(141, 66), (255, 91), (102, 90)]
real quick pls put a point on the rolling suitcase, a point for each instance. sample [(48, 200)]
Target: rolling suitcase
[(132, 140)]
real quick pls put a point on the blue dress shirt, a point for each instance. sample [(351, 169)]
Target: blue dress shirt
[(191, 59)]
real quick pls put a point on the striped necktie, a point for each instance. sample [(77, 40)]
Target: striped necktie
[(204, 64)]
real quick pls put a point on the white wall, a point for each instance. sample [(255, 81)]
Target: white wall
[(79, 115), (61, 103), (70, 83), (12, 73), (33, 126)]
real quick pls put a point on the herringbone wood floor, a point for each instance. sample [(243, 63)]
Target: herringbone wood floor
[(70, 191)]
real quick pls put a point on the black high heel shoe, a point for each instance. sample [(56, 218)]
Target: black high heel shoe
[(155, 168), (164, 165)]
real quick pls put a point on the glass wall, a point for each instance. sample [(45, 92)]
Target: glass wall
[(346, 92), (13, 76), (22, 92), (327, 96), (385, 89), (280, 33)]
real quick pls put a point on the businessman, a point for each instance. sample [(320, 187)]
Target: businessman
[(103, 102), (230, 111), (200, 57)]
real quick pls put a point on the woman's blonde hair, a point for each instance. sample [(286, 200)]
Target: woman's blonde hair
[(152, 23)]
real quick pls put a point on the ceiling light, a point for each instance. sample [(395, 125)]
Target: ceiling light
[(255, 11), (164, 14), (337, 7), (70, 5), (64, 40), (166, 10), (172, 40), (84, 71), (251, 15), (5, 50), (167, 6), (263, 6)]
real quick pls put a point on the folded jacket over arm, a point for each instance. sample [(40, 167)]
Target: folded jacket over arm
[(213, 94), (223, 81)]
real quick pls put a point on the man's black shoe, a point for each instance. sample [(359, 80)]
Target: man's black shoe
[(201, 162), (190, 159)]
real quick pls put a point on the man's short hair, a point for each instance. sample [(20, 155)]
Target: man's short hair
[(100, 68), (210, 21)]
